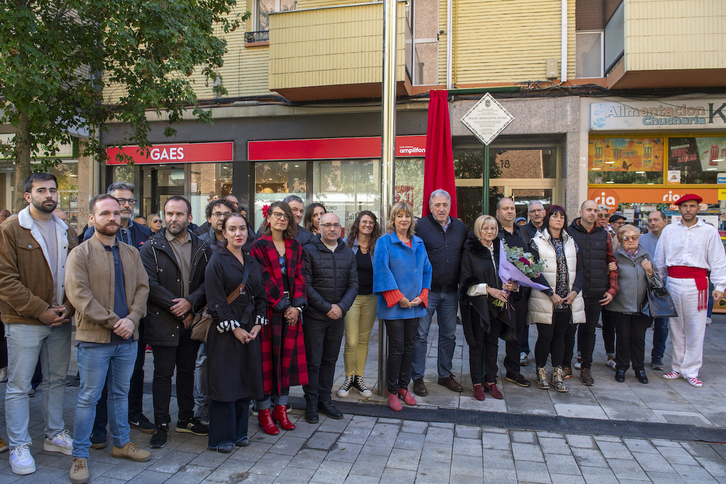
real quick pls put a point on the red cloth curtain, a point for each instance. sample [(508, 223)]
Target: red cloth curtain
[(439, 161)]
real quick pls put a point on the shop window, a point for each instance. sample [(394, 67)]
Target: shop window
[(347, 187), (208, 181), (696, 160), (410, 183), (626, 160), (274, 180), (123, 173)]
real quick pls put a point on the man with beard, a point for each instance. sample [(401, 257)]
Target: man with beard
[(536, 213), (136, 235), (215, 212), (106, 280), (175, 260), (34, 246), (298, 211), (686, 251)]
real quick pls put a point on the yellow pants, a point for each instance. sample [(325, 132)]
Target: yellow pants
[(358, 325)]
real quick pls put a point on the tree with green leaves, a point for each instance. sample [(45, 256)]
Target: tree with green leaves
[(59, 57)]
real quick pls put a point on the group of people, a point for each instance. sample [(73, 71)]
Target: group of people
[(243, 315)]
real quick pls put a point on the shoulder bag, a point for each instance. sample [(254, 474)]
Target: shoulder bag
[(203, 320)]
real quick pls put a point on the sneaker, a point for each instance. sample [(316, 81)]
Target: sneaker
[(695, 382), (143, 424), (344, 390), (523, 359), (3, 446), (79, 471), (360, 385), (610, 361), (21, 462), (566, 372), (519, 380), (60, 442), (158, 440), (586, 377), (192, 426), (708, 323), (98, 439), (657, 364), (672, 375), (578, 362), (132, 452)]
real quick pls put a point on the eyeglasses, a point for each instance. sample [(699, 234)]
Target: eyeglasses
[(602, 215), (628, 238), (279, 215), (218, 214), (122, 201), (329, 226), (367, 223), (536, 210)]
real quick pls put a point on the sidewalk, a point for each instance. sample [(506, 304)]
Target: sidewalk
[(402, 448)]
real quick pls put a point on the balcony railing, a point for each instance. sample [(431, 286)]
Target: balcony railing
[(257, 36)]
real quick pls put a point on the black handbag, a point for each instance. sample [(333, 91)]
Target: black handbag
[(658, 303)]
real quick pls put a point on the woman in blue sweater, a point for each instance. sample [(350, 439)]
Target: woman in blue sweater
[(402, 280)]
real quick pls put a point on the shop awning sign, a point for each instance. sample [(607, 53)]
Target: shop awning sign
[(333, 148), (175, 153), (487, 119), (670, 114)]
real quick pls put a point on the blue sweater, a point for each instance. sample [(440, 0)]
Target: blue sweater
[(398, 266)]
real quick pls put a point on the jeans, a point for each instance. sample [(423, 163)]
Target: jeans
[(359, 322), (228, 422), (445, 305), (631, 340), (166, 358), (322, 346), (201, 400), (586, 332), (524, 340), (401, 337), (95, 363), (25, 343), (551, 339), (269, 400), (660, 336)]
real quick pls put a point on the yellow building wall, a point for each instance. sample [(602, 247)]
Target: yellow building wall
[(306, 4), (330, 46), (505, 41), (675, 34)]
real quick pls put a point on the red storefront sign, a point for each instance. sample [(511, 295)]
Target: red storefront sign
[(612, 197), (175, 153), (333, 148)]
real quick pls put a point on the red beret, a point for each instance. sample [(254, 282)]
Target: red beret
[(689, 196)]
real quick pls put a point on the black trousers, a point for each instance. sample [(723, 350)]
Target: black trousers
[(166, 358), (511, 357), (136, 389), (551, 339), (401, 337), (608, 330), (322, 346), (630, 339), (570, 337), (228, 422), (586, 332)]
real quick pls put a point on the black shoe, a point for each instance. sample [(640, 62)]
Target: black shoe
[(519, 380), (641, 376), (311, 414), (143, 424), (192, 426), (620, 375), (243, 442), (224, 448), (158, 440), (98, 439), (327, 408)]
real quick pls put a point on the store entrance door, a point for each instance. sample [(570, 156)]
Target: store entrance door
[(160, 182)]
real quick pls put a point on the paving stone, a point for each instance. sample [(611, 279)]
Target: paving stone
[(309, 458), (523, 437), (149, 477), (378, 447), (550, 435), (640, 445), (271, 464), (607, 438), (466, 465), (498, 441), (678, 456), (702, 450), (355, 434), (210, 459), (252, 452), (652, 462), (335, 425), (362, 480), (399, 476), (532, 472), (665, 477), (715, 467), (443, 425), (495, 430), (369, 465), (567, 478), (614, 450), (554, 446), (589, 457), (124, 471), (332, 472), (527, 452), (598, 475), (581, 441), (409, 441), (494, 475), (322, 440), (391, 421), (288, 445), (230, 471), (439, 435), (627, 469), (414, 427), (437, 452), (468, 432), (295, 475), (463, 446), (695, 474), (404, 459), (562, 464), (431, 473), (189, 475), (494, 458), (171, 463), (362, 421), (344, 452)]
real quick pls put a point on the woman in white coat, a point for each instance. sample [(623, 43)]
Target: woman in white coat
[(554, 309)]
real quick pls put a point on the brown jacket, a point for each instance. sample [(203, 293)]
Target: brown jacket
[(90, 287), (26, 281)]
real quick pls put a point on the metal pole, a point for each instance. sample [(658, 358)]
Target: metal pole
[(485, 186), (388, 149)]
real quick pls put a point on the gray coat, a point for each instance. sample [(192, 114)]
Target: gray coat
[(633, 281)]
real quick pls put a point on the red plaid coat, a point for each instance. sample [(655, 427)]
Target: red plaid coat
[(283, 348)]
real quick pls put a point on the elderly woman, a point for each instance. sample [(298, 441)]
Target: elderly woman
[(635, 273), (402, 280), (480, 288), (554, 309), (155, 222)]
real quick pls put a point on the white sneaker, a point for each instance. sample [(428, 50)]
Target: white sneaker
[(708, 321), (344, 390), (60, 442), (610, 361), (523, 359), (21, 462), (360, 385)]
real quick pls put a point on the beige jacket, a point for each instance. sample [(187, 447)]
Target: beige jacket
[(90, 288)]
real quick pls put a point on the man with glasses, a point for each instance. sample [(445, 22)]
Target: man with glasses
[(536, 213), (135, 235), (215, 211), (332, 282)]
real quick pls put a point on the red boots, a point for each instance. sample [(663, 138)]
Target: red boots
[(280, 415), (264, 417)]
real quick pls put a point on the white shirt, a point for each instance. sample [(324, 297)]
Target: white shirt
[(696, 246)]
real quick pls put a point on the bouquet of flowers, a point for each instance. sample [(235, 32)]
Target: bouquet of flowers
[(516, 265)]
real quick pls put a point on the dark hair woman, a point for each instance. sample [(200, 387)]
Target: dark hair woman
[(311, 219), (362, 314), (553, 310), (234, 362), (283, 347), (402, 280)]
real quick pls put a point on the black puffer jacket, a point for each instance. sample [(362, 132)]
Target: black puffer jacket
[(593, 252), (332, 278), (161, 327)]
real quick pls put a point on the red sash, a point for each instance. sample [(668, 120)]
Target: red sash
[(699, 275)]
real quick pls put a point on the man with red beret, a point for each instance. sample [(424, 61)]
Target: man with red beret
[(686, 251)]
